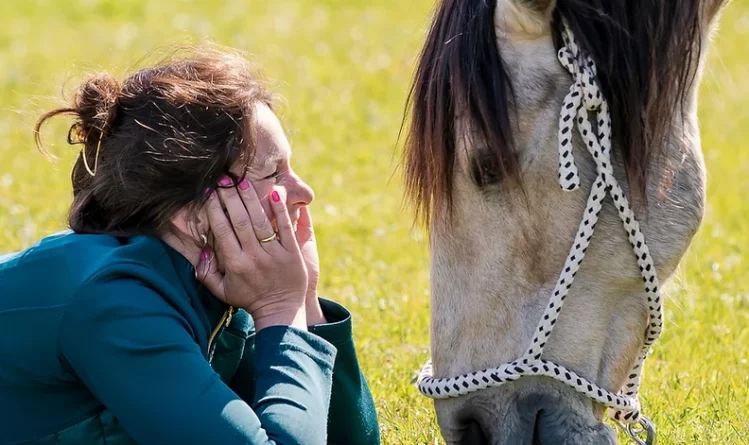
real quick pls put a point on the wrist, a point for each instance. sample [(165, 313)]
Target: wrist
[(314, 312), (295, 316)]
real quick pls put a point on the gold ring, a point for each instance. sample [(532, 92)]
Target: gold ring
[(269, 239)]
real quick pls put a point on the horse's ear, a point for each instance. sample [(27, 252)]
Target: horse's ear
[(524, 16)]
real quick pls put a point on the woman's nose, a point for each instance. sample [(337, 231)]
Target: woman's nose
[(298, 192)]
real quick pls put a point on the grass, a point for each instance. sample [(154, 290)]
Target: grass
[(344, 69)]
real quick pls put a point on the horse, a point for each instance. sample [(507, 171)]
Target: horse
[(504, 185)]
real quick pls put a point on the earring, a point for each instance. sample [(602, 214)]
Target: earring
[(204, 241)]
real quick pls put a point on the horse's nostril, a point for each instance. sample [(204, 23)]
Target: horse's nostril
[(474, 434), (560, 426), (536, 435)]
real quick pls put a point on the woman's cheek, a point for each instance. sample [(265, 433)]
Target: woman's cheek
[(263, 189)]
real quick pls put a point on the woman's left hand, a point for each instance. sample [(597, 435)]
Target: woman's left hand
[(305, 237)]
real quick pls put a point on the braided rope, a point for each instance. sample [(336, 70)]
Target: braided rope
[(584, 98)]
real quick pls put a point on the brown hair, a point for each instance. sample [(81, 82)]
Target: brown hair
[(646, 53), (166, 133)]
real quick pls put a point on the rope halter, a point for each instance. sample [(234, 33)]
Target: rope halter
[(583, 100)]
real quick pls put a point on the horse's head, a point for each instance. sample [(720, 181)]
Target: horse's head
[(481, 165)]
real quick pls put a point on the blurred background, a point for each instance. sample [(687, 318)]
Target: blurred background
[(344, 68)]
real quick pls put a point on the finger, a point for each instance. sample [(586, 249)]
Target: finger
[(238, 215), (260, 222), (305, 217), (207, 273), (283, 220), (223, 234), (304, 230)]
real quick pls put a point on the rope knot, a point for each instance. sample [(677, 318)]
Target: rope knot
[(592, 96)]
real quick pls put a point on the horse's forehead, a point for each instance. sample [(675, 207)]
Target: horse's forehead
[(516, 20)]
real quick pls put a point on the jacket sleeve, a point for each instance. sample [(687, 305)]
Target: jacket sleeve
[(136, 354), (352, 418)]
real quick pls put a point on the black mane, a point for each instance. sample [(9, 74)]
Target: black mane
[(646, 52)]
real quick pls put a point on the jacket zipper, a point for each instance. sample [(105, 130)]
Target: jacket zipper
[(224, 322)]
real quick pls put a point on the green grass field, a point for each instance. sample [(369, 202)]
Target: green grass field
[(344, 68)]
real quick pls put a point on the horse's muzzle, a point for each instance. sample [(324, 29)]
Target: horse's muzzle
[(528, 418)]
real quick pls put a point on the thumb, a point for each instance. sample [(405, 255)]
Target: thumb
[(207, 273)]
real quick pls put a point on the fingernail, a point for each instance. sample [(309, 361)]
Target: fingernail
[(205, 254), (225, 181), (207, 192), (202, 271), (275, 196), (244, 185)]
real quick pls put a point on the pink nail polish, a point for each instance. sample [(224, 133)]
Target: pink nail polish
[(275, 196), (244, 185), (204, 254), (225, 181), (207, 192)]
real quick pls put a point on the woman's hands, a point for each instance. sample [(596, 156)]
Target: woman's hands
[(267, 279)]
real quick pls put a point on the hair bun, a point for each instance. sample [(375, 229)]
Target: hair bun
[(96, 102)]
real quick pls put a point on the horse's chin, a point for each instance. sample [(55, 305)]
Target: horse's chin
[(532, 415)]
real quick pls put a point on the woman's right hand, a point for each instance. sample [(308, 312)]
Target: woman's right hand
[(267, 279)]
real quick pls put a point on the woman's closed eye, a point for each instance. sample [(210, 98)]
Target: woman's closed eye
[(273, 175)]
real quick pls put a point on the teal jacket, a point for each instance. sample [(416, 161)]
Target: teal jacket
[(111, 341)]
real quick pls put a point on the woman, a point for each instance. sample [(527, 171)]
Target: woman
[(182, 306)]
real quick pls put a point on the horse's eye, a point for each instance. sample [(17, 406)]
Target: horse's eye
[(484, 169)]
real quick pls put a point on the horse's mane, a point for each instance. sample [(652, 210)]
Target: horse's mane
[(646, 52)]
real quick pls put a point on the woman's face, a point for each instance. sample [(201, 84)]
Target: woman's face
[(271, 166)]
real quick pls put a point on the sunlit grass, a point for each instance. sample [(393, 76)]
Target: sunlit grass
[(344, 69)]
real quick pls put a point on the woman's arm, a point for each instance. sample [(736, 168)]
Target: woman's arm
[(352, 418), (136, 354)]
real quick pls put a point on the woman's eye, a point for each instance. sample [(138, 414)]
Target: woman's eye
[(273, 175)]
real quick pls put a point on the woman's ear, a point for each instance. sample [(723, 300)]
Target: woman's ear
[(191, 224), (524, 17)]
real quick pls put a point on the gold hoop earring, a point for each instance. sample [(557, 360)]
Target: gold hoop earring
[(96, 159), (203, 239)]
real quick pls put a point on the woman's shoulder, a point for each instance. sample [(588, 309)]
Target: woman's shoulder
[(77, 258), (60, 267), (96, 277)]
